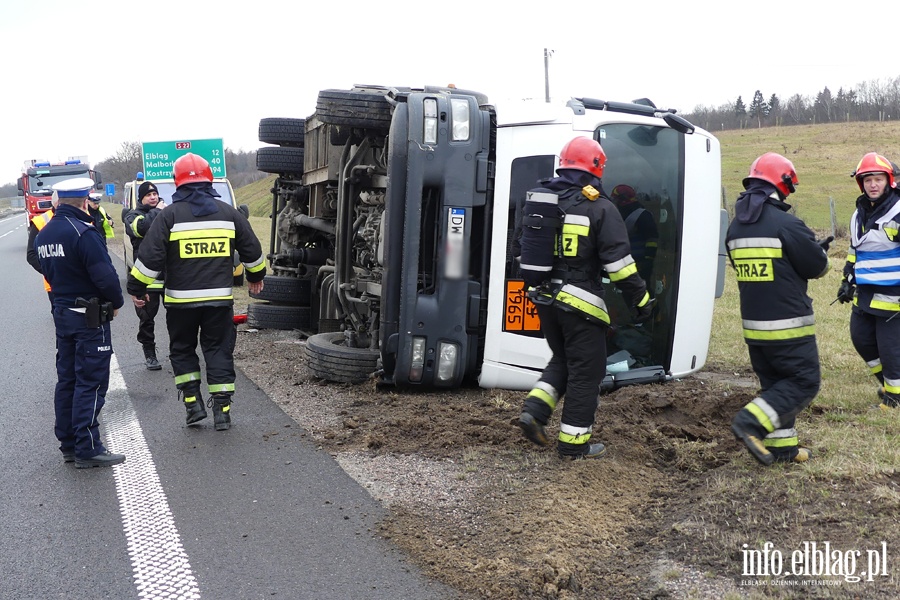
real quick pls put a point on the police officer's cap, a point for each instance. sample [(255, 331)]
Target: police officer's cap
[(79, 187)]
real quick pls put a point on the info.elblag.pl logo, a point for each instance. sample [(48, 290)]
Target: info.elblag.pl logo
[(814, 560)]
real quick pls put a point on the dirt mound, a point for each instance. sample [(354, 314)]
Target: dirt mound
[(508, 519)]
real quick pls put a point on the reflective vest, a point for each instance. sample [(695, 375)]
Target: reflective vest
[(877, 251), (39, 222), (107, 227)]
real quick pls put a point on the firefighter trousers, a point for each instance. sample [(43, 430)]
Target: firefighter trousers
[(576, 368), (789, 377), (875, 339), (146, 314), (216, 330)]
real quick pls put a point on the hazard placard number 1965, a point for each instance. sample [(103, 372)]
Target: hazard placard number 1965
[(520, 313)]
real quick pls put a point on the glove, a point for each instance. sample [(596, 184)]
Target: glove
[(846, 292), (826, 242), (642, 314)]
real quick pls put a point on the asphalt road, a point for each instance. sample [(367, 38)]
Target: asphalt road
[(253, 512)]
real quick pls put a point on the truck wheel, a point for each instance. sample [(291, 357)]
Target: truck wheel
[(282, 132), (365, 109), (262, 315), (280, 160), (290, 291), (329, 357)]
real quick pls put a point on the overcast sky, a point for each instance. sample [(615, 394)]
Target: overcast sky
[(83, 77)]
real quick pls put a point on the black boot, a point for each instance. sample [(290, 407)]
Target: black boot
[(150, 358), (221, 405), (193, 402)]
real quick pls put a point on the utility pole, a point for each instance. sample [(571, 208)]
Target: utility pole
[(547, 55)]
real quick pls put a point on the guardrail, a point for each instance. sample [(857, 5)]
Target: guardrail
[(13, 202)]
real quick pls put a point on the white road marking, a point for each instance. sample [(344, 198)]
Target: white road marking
[(160, 564)]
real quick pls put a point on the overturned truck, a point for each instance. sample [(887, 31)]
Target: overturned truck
[(393, 214)]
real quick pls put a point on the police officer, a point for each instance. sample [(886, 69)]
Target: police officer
[(871, 277), (102, 220), (86, 296), (137, 224), (774, 255), (589, 241), (37, 223), (193, 241)]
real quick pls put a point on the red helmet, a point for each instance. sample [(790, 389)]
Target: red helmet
[(623, 194), (775, 169), (873, 163), (583, 154), (191, 168)]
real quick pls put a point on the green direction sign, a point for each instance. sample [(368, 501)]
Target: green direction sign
[(160, 156)]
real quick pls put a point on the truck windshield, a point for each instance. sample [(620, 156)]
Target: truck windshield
[(649, 161), (42, 184), (167, 188)]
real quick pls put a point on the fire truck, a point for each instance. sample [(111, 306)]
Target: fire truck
[(39, 176), (394, 211)]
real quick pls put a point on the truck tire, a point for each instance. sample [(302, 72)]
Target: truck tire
[(328, 357), (262, 315), (289, 291), (280, 160), (282, 132), (368, 109)]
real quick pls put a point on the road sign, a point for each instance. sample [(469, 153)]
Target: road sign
[(160, 156), (110, 189)]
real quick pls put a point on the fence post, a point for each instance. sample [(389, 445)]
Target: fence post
[(833, 216)]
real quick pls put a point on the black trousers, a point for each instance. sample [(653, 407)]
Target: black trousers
[(789, 376), (214, 327), (578, 364), (146, 314), (875, 339)]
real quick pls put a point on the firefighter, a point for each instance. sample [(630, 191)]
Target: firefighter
[(872, 279), (774, 255), (573, 234), (193, 241), (102, 221), (86, 296), (641, 228), (137, 224), (37, 223)]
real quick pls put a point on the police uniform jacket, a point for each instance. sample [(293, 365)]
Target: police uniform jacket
[(74, 260), (774, 257), (873, 262), (594, 242), (193, 241)]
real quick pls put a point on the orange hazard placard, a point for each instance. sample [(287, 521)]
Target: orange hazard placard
[(520, 312)]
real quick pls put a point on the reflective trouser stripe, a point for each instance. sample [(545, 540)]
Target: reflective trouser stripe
[(764, 413), (195, 376), (574, 435), (546, 393), (874, 366), (892, 386), (221, 388), (782, 438)]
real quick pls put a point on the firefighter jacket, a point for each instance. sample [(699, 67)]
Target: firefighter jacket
[(873, 261), (774, 255), (74, 260), (193, 241), (592, 242), (137, 223), (37, 223)]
